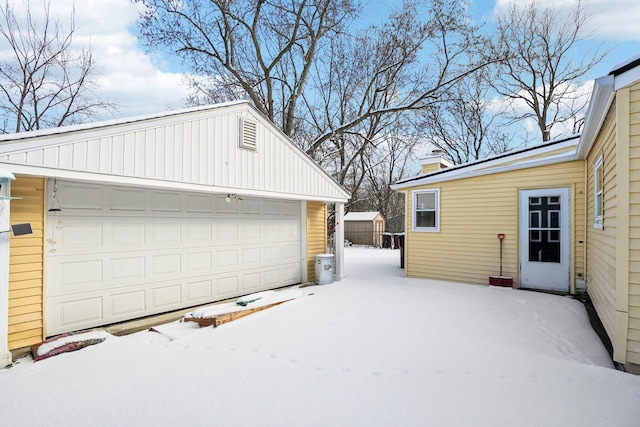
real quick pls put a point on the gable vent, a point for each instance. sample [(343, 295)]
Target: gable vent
[(247, 134)]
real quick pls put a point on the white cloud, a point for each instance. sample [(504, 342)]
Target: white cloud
[(612, 20), (136, 80)]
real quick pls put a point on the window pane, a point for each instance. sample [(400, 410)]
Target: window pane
[(554, 200), (534, 200), (534, 219), (426, 219), (534, 236), (426, 201), (554, 219)]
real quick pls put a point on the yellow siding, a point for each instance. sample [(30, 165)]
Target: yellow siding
[(633, 334), (601, 248), (26, 265), (474, 211), (316, 234)]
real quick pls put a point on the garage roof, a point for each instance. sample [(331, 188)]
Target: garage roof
[(222, 148)]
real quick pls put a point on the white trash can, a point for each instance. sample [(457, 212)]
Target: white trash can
[(325, 266)]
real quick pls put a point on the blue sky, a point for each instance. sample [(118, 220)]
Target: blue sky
[(146, 83)]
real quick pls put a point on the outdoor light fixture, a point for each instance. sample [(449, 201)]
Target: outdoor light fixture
[(55, 204), (232, 197)]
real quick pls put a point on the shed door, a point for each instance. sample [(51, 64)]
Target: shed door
[(116, 254), (545, 234)]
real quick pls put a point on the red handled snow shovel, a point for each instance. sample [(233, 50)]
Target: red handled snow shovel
[(504, 281)]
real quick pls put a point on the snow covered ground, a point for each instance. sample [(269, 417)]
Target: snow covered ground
[(375, 349)]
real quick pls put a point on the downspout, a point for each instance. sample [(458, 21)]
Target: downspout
[(339, 273)]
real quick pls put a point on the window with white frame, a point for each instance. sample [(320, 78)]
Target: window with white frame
[(598, 189), (426, 210)]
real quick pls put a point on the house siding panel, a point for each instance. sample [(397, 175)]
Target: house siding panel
[(316, 234), (473, 211), (26, 265), (601, 250), (633, 332)]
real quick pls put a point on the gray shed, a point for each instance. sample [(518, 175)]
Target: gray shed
[(364, 228)]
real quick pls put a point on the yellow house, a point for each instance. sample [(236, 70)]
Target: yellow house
[(561, 216), (140, 216)]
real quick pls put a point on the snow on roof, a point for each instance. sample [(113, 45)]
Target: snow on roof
[(361, 216), (494, 163)]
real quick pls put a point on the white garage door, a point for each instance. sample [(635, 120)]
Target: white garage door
[(115, 254)]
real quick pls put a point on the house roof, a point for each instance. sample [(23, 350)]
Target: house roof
[(558, 150), (576, 146), (361, 216), (194, 149), (604, 90)]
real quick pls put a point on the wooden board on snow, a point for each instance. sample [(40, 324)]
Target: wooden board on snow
[(228, 317)]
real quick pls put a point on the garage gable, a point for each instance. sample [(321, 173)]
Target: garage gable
[(224, 148)]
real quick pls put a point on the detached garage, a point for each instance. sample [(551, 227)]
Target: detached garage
[(152, 214)]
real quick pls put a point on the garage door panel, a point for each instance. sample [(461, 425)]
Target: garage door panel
[(166, 234), (80, 313), (82, 273), (290, 275), (226, 231), (249, 207), (199, 291), (130, 303), (128, 268), (199, 261), (80, 236), (128, 234), (251, 232), (290, 252), (165, 202), (119, 262), (166, 296), (127, 200), (227, 286), (199, 232), (251, 282), (166, 264), (226, 259), (271, 278), (199, 204), (79, 196)]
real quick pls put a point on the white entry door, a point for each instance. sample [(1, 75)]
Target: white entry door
[(545, 234)]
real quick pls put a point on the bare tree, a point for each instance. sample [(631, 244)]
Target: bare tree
[(266, 52), (465, 125), (394, 159), (45, 82), (337, 90), (262, 50), (542, 71)]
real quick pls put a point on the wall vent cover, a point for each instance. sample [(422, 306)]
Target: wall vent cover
[(247, 134)]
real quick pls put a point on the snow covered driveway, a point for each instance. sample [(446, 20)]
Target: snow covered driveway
[(375, 349)]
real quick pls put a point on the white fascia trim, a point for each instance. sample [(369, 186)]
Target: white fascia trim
[(112, 122), (628, 77), (126, 181), (601, 99), (492, 167)]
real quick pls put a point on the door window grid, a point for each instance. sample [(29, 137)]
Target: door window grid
[(544, 229)]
